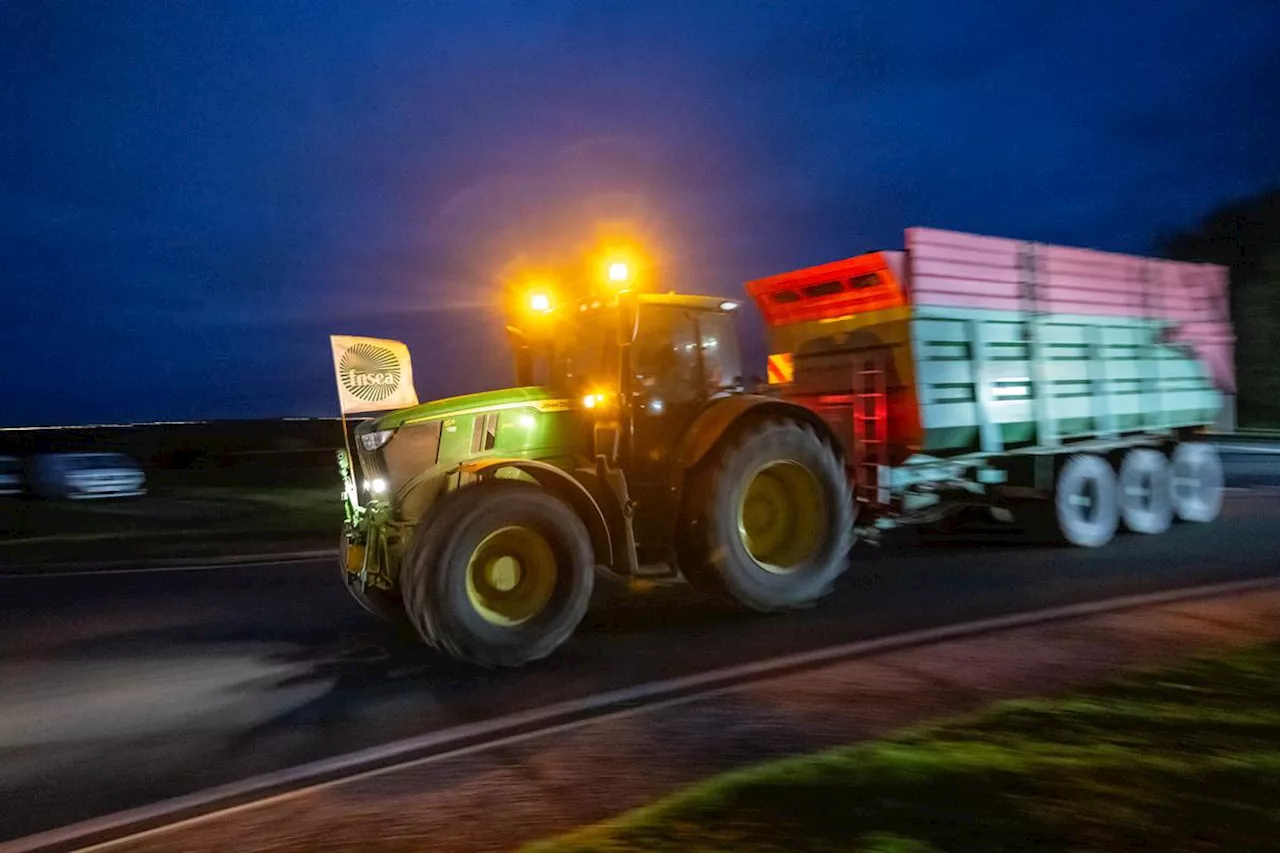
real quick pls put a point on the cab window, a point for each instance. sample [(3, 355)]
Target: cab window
[(721, 364), (665, 356)]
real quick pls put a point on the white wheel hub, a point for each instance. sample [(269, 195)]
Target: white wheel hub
[(1086, 501), (1146, 504)]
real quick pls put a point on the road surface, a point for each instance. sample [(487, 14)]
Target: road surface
[(121, 689)]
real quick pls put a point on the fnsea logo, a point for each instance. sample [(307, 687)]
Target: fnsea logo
[(369, 372)]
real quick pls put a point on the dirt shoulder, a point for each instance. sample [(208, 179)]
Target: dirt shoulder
[(498, 798)]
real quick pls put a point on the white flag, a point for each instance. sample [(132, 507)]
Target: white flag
[(373, 374)]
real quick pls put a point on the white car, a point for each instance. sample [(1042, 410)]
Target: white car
[(11, 479), (85, 475)]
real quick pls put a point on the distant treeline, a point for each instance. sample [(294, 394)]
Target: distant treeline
[(184, 446), (1245, 236)]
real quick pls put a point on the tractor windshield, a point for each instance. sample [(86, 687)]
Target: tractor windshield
[(585, 354)]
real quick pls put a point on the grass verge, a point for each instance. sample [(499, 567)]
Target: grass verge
[(1182, 758), (171, 522)]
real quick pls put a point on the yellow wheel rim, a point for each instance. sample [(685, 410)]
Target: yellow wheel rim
[(781, 516), (511, 576)]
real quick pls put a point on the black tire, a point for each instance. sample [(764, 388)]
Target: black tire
[(1144, 491), (438, 581), (716, 554), (380, 602), (1075, 522), (1196, 482)]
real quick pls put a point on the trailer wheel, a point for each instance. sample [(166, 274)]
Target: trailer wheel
[(1146, 501), (768, 519), (498, 574), (1085, 507), (1197, 482)]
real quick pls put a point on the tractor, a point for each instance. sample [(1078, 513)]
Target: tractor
[(630, 449)]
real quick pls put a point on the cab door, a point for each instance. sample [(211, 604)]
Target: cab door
[(681, 358)]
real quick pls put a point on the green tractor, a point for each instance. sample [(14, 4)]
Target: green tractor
[(631, 449)]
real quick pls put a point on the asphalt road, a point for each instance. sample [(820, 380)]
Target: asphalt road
[(121, 689)]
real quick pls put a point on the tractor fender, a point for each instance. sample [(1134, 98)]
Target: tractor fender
[(719, 418), (561, 484)]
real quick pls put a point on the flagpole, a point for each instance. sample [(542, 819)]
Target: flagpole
[(342, 412), (346, 440)]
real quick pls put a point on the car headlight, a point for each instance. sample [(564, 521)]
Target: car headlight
[(371, 441)]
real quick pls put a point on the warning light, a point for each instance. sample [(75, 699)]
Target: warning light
[(619, 272)]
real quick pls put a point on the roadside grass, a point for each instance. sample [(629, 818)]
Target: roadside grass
[(170, 521), (1185, 758)]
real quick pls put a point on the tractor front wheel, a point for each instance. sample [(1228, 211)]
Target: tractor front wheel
[(498, 574), (768, 518)]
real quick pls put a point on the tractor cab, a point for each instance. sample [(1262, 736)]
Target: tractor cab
[(684, 349), (652, 360), (641, 368), (679, 354)]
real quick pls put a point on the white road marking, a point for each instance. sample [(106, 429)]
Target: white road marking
[(1258, 449)]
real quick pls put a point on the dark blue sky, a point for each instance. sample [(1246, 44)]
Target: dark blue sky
[(194, 195)]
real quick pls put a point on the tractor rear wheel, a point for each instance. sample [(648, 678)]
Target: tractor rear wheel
[(768, 519), (498, 574)]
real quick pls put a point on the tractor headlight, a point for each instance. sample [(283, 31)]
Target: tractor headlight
[(371, 441)]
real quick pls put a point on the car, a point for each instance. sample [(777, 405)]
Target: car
[(11, 479), (80, 476)]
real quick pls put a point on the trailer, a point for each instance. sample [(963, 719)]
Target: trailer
[(1066, 387)]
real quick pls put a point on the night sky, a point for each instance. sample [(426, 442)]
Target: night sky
[(194, 195)]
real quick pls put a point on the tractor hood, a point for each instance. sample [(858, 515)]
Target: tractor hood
[(485, 401)]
